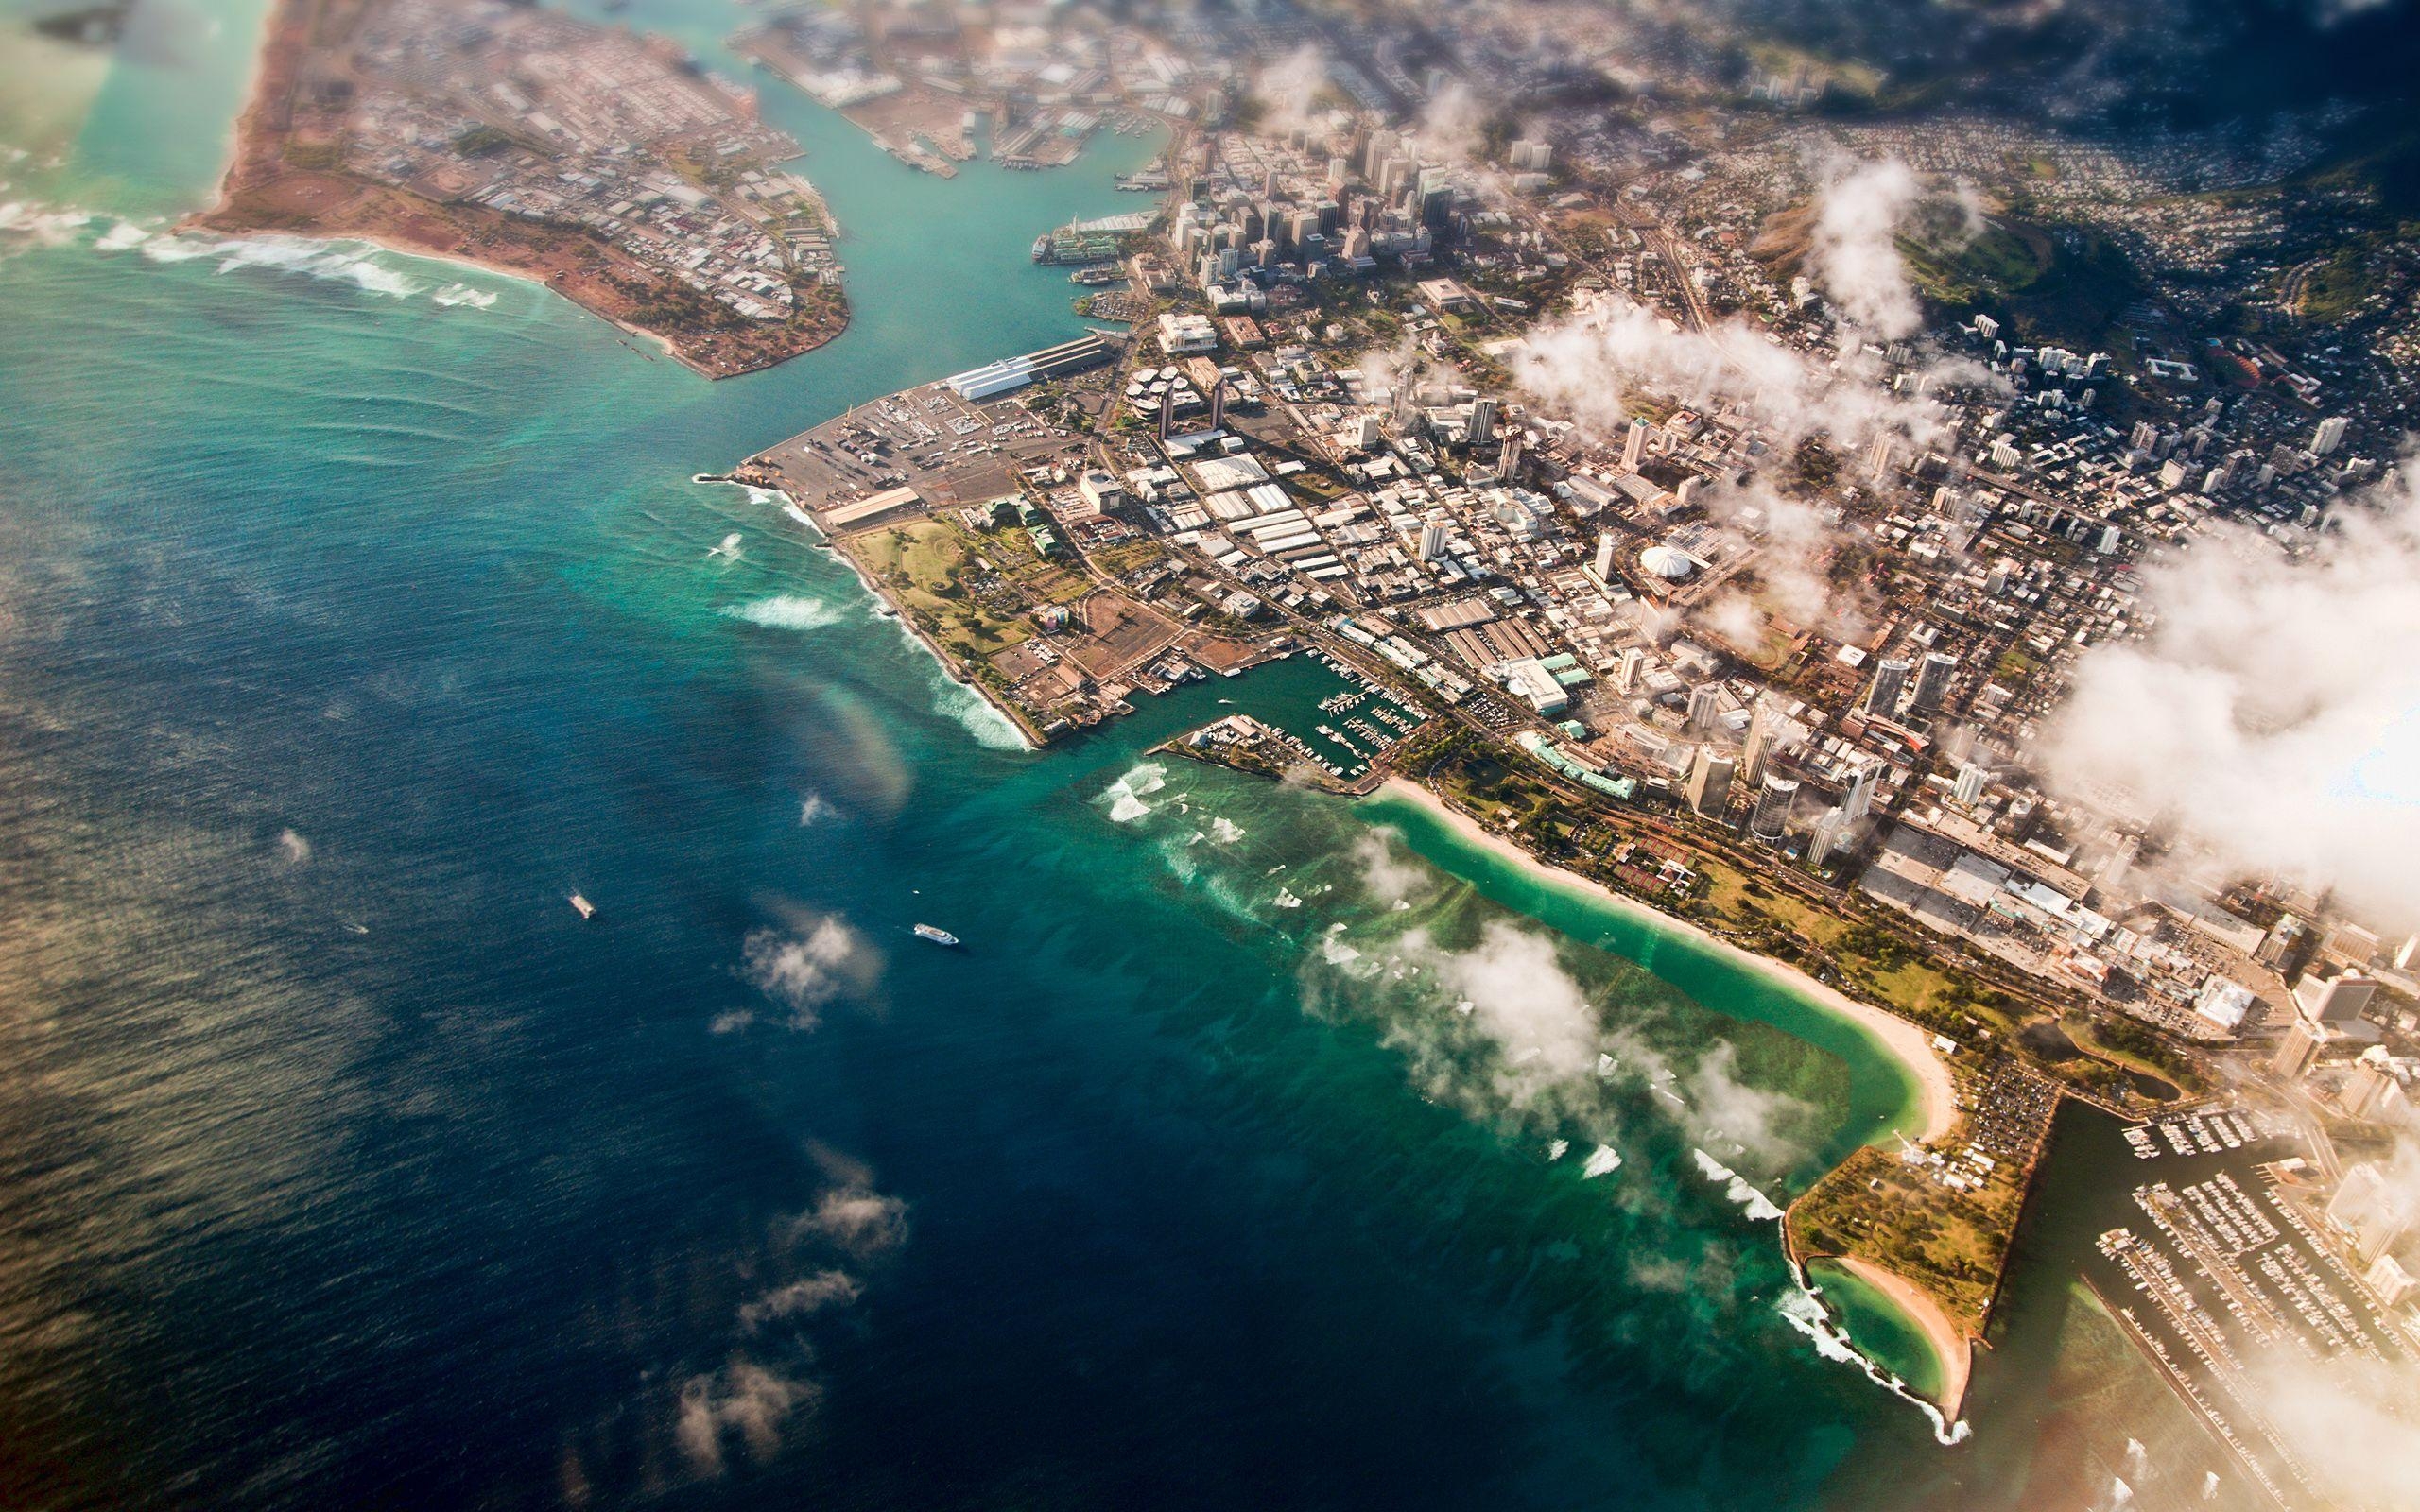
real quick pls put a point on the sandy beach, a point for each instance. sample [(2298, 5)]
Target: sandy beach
[(1948, 1345), (1905, 1042)]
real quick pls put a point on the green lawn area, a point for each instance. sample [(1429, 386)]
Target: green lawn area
[(925, 565)]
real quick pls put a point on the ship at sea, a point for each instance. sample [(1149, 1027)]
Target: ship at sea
[(938, 936)]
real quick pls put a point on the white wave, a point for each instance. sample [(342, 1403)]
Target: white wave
[(41, 224), (1755, 1203), (1224, 832), (1802, 1310), (454, 294), (121, 237), (1335, 951), (1557, 1149), (340, 262), (1287, 900), (1125, 796), (730, 546), (1603, 1160), (786, 611)]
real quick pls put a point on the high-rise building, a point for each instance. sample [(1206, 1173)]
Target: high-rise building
[(1890, 680), (2299, 1051), (1971, 777), (1932, 681), (1759, 745), (1634, 444), (1826, 837), (2279, 942), (1706, 704), (1483, 426), (2329, 436), (1710, 784), (1607, 543), (1859, 800), (1432, 540), (1507, 462), (1774, 799), (2336, 999), (1877, 457), (1626, 671)]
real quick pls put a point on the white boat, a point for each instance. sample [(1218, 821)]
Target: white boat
[(938, 937), (585, 908)]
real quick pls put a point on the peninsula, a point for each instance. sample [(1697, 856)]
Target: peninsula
[(605, 164)]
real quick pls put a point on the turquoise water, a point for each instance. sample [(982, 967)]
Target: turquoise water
[(353, 611)]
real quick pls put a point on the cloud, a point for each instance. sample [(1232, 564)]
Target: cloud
[(1856, 249), (744, 1398), (1589, 364), (1290, 90), (1388, 877), (2269, 711), (858, 1219), (812, 807), (800, 1298), (1453, 125), (1794, 539), (804, 971), (296, 850)]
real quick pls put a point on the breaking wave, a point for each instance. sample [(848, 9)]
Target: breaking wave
[(786, 611), (1802, 1310), (1755, 1203)]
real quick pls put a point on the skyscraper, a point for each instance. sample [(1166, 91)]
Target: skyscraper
[(2329, 436), (1859, 800), (1634, 444), (1759, 743), (1482, 425), (1774, 799), (1970, 784), (1826, 837), (1932, 681), (1705, 703), (1890, 678), (1606, 545), (1710, 784)]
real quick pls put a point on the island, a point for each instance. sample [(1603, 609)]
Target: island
[(605, 164)]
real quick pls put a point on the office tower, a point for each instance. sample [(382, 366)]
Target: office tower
[(1710, 784), (1970, 784), (1339, 170), (1826, 837), (1507, 464), (1859, 800), (1705, 703), (1890, 680), (2329, 436), (1634, 444), (2279, 942), (1482, 425), (1219, 405), (1168, 411), (1759, 745), (2336, 1000), (1626, 671), (1773, 801), (1365, 433), (1877, 457), (1606, 546), (1932, 681), (2299, 1051)]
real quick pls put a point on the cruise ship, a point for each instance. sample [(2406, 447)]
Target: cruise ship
[(938, 936)]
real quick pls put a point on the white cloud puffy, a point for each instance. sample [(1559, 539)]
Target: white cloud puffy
[(742, 1398), (805, 971), (857, 1219), (800, 1298), (2273, 711), (1856, 247), (1289, 89), (1588, 363)]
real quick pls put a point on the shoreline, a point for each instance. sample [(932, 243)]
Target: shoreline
[(276, 58), (1903, 1041), (1951, 1347)]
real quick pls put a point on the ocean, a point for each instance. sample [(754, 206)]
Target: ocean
[(1255, 1149)]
